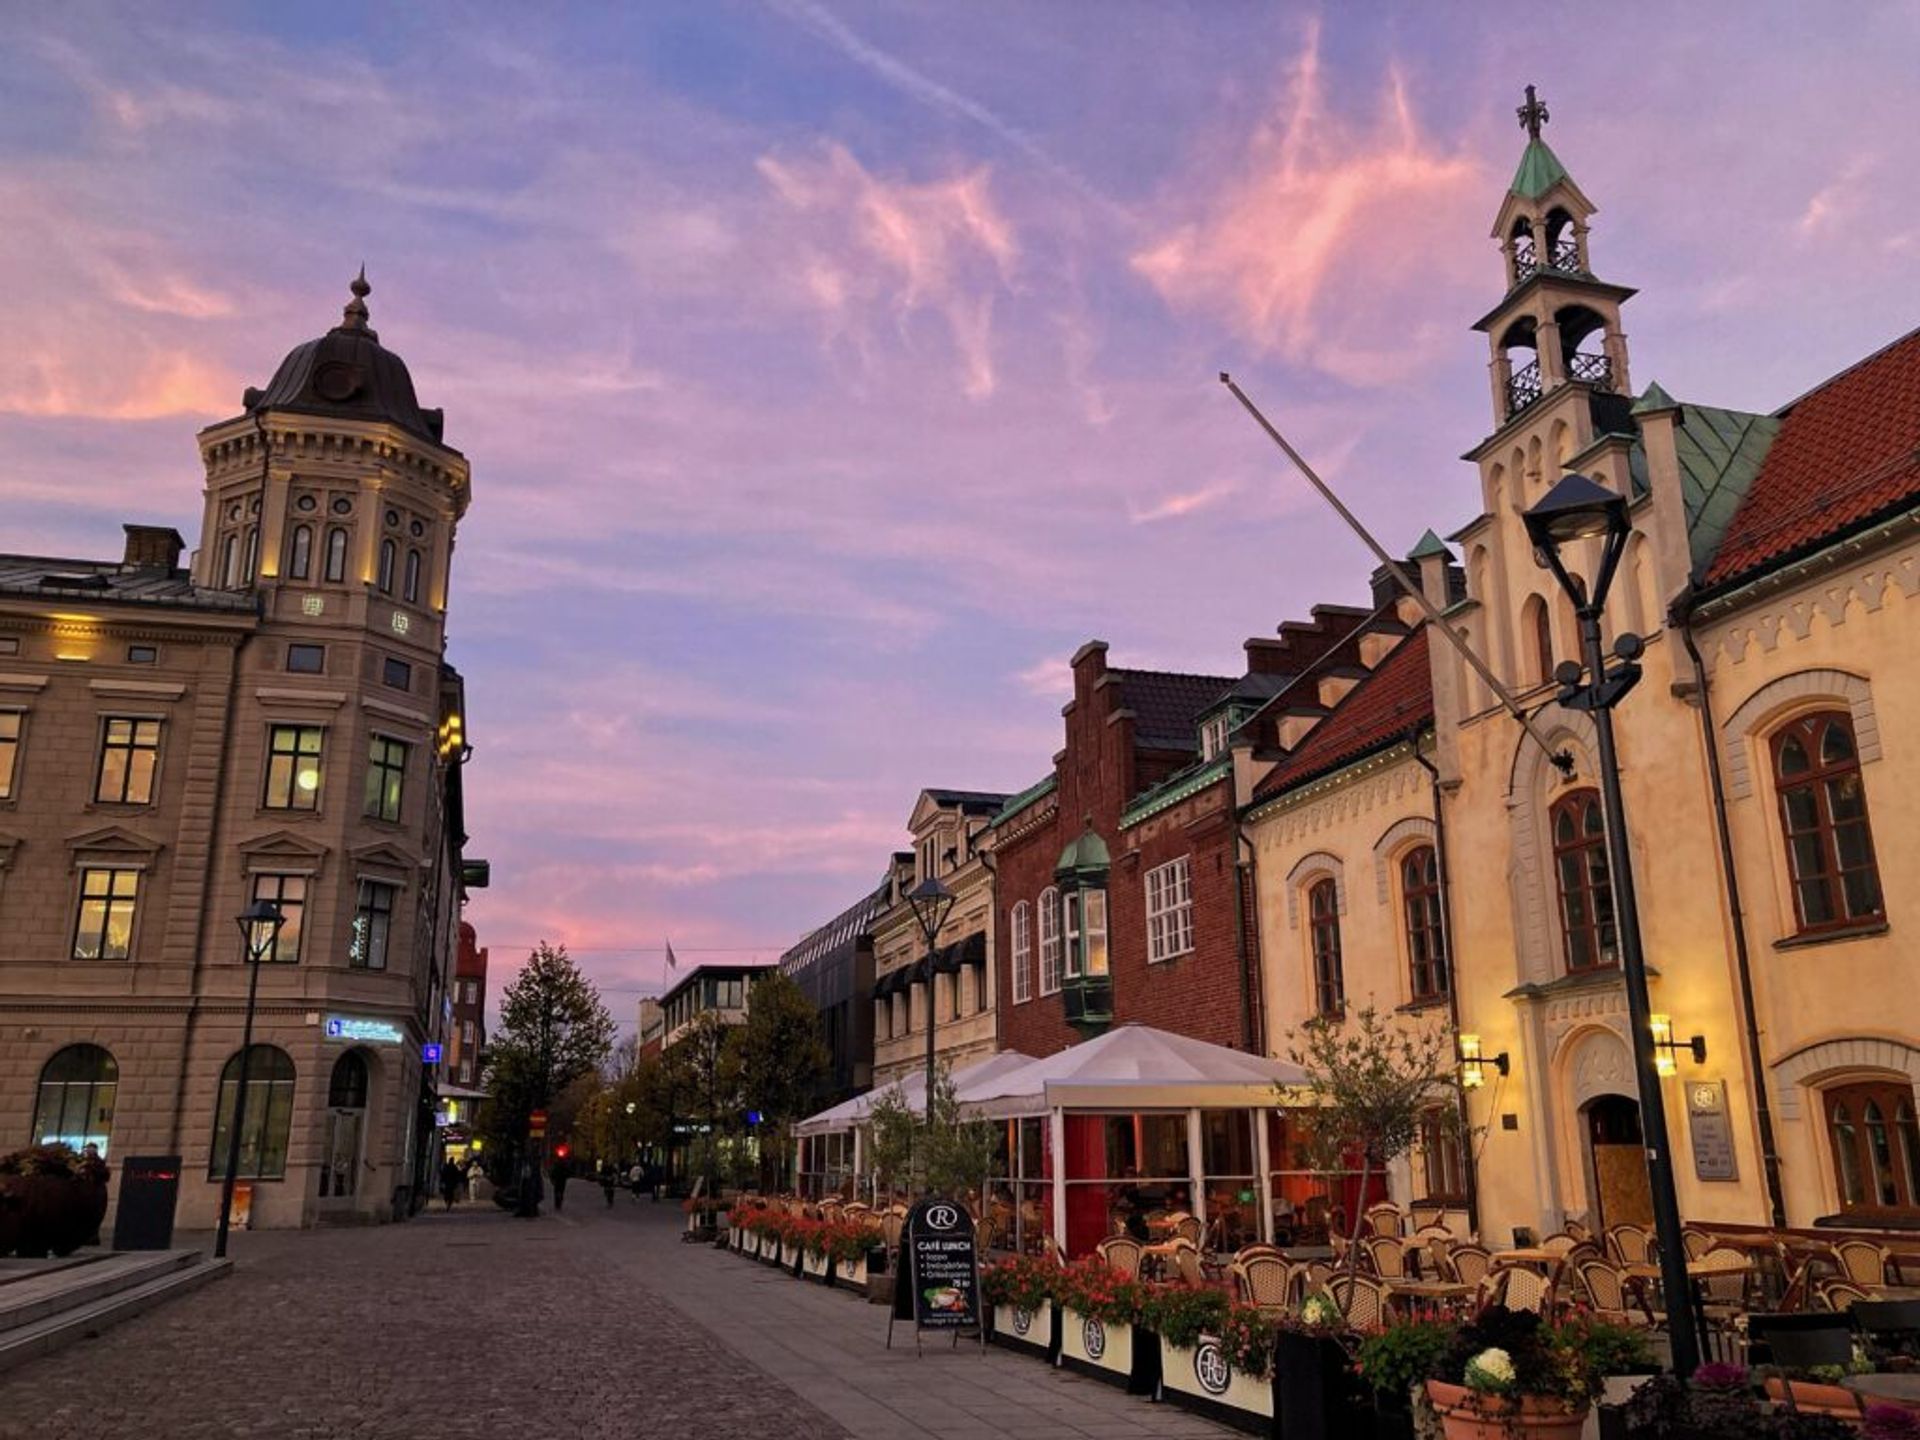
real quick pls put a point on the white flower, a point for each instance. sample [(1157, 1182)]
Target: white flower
[(1318, 1310), (1491, 1369)]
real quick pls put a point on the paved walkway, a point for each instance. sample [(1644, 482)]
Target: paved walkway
[(597, 1322)]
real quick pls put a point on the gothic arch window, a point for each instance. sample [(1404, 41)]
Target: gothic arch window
[(300, 553), (1426, 935), (336, 567), (1588, 934), (1875, 1143), (252, 565), (1323, 936), (75, 1102), (386, 567), (230, 563), (1537, 626), (410, 586), (267, 1119), (1824, 824)]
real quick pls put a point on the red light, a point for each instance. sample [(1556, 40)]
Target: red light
[(561, 1151)]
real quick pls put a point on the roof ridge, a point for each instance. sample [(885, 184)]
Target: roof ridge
[(1845, 371)]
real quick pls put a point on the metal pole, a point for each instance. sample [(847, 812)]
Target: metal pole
[(1674, 1282), (239, 1108), (930, 985)]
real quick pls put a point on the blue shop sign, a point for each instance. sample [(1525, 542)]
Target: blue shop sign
[(430, 1054), (365, 1031)]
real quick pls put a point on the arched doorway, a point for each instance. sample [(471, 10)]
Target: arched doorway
[(1617, 1162), (75, 1101), (346, 1119)]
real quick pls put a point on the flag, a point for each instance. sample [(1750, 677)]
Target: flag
[(672, 962)]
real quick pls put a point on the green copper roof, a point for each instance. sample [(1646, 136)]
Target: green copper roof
[(1025, 798), (1654, 401), (1176, 788), (1430, 544), (1085, 855), (1540, 170), (1720, 453)]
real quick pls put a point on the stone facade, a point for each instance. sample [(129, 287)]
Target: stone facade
[(289, 700)]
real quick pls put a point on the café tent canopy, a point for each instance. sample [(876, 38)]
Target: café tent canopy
[(912, 1092), (1135, 1067)]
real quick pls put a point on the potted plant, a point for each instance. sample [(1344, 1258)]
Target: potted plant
[(1022, 1290), (1725, 1402), (1511, 1373), (815, 1261), (849, 1244), (58, 1198), (1395, 1364), (1100, 1308), (1216, 1356)]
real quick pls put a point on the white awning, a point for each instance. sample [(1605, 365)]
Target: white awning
[(912, 1092), (1136, 1067)]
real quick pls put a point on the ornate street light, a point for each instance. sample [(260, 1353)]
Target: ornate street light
[(259, 926), (931, 902), (1575, 512)]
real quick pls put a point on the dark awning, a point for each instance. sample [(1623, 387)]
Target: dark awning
[(970, 951)]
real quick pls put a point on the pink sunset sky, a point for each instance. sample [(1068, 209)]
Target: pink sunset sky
[(831, 371)]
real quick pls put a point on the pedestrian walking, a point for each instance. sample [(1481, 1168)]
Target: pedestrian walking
[(635, 1176), (609, 1178), (450, 1178), (558, 1174)]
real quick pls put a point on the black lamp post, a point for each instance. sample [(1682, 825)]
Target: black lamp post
[(1579, 510), (259, 925), (930, 901)]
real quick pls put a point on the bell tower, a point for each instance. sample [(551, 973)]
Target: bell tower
[(1556, 340)]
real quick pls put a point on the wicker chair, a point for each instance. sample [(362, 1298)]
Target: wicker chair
[(1695, 1242), (1427, 1217), (890, 1227), (1630, 1244), (1307, 1279), (1389, 1256), (984, 1234), (1188, 1227), (1519, 1288), (1840, 1294), (1469, 1264), (1361, 1301), (1613, 1298), (1861, 1261), (1185, 1258), (1386, 1219), (1122, 1253), (1559, 1244), (1579, 1229), (1264, 1282)]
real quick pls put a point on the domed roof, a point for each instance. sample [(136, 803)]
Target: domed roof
[(349, 374)]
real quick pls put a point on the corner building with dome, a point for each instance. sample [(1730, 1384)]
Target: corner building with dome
[(273, 719)]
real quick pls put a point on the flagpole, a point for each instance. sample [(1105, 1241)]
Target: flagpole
[(1562, 759)]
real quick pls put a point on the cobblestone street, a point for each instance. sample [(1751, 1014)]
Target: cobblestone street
[(597, 1322)]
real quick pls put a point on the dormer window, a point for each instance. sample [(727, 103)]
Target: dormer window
[(1213, 736)]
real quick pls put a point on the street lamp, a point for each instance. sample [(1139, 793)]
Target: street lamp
[(259, 924), (1576, 511), (930, 901)]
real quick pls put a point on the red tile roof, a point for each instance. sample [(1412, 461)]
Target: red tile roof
[(1382, 708), (1846, 453)]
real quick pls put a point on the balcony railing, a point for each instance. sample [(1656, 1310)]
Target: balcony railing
[(1566, 256), (1596, 370), (1523, 388)]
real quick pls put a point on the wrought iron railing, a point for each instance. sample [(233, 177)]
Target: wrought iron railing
[(1596, 370), (1566, 256), (1563, 256), (1523, 388), (1525, 266)]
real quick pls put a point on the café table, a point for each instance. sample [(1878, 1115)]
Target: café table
[(1528, 1255), (1439, 1290)]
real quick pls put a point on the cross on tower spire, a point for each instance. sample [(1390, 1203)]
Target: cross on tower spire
[(1533, 114)]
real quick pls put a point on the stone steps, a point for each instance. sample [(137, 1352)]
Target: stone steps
[(41, 1313)]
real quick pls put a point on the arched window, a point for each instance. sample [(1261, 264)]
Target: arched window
[(253, 554), (1539, 631), (1586, 889), (347, 1089), (1579, 324), (1520, 347), (267, 1117), (1020, 923), (75, 1104), (1823, 812), (1876, 1145), (410, 588), (230, 563), (336, 554), (1329, 984), (1426, 937), (300, 553), (386, 567), (346, 1107), (1049, 940)]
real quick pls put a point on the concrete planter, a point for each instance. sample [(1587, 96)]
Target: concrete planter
[(816, 1267), (1201, 1378), (1031, 1332), (1093, 1347)]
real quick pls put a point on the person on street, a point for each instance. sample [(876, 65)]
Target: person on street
[(558, 1174), (635, 1178), (450, 1179), (609, 1178)]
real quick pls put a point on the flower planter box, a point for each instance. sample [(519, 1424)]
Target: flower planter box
[(1107, 1352), (852, 1274), (816, 1267), (1467, 1416), (1030, 1332), (1315, 1394), (1202, 1379)]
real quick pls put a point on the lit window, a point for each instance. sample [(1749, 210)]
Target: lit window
[(266, 1120), (289, 892), (1070, 935), (129, 755), (1049, 941), (1021, 924), (372, 919), (1169, 909), (293, 767), (9, 750), (386, 778), (75, 1104), (1823, 815), (104, 928)]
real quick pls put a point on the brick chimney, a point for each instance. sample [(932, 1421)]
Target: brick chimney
[(152, 547)]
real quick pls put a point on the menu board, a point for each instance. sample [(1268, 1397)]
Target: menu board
[(1710, 1130), (942, 1266)]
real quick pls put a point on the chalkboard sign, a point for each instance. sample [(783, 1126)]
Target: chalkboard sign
[(149, 1193), (937, 1282), (1710, 1129)]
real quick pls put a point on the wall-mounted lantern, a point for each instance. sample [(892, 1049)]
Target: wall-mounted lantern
[(1474, 1065)]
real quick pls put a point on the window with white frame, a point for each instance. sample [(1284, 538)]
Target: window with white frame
[(1049, 940), (1213, 737), (1070, 935), (1021, 924), (1170, 909)]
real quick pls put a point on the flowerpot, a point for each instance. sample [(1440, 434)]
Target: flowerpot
[(851, 1273), (1467, 1416), (1202, 1379), (1813, 1398), (1094, 1347), (817, 1267), (1316, 1396)]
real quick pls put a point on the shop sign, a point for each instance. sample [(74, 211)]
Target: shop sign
[(430, 1053), (939, 1273), (1711, 1130), (364, 1031)]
